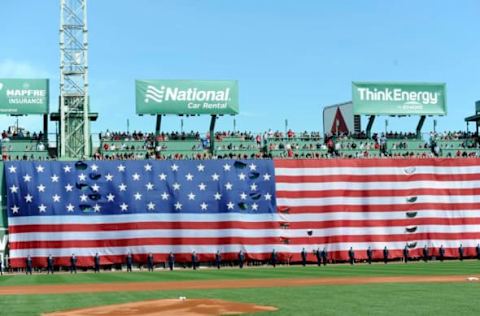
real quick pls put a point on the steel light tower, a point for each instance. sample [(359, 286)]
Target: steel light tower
[(74, 122)]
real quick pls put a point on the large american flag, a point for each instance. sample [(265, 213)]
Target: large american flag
[(118, 207)]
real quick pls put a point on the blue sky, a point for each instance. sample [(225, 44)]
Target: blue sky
[(291, 58)]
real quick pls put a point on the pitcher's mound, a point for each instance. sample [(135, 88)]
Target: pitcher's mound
[(187, 307)]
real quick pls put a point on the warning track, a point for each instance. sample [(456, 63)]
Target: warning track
[(221, 284)]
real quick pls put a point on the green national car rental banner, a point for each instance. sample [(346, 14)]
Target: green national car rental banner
[(387, 98), (186, 97)]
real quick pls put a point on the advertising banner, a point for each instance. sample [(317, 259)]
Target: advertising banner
[(24, 96), (389, 98), (191, 97)]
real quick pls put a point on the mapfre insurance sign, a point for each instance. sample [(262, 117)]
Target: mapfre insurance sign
[(24, 96)]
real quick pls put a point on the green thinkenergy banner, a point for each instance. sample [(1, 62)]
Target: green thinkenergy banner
[(190, 97), (24, 96), (390, 98)]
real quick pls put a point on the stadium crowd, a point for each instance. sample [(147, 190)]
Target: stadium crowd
[(290, 144), (13, 133), (19, 144)]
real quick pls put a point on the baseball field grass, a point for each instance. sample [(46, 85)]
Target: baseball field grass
[(459, 298)]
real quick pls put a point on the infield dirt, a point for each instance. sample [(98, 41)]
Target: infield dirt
[(170, 307)]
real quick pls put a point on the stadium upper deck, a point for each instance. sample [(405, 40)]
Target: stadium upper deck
[(277, 144), (237, 145)]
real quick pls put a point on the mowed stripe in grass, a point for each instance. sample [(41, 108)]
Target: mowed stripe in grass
[(375, 299), (361, 270)]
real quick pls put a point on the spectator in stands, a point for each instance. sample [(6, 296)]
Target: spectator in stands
[(436, 149), (258, 139), (290, 134), (40, 146), (290, 153), (383, 144), (265, 138), (330, 145)]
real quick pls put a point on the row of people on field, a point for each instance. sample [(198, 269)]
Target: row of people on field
[(129, 262), (426, 255), (320, 254)]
